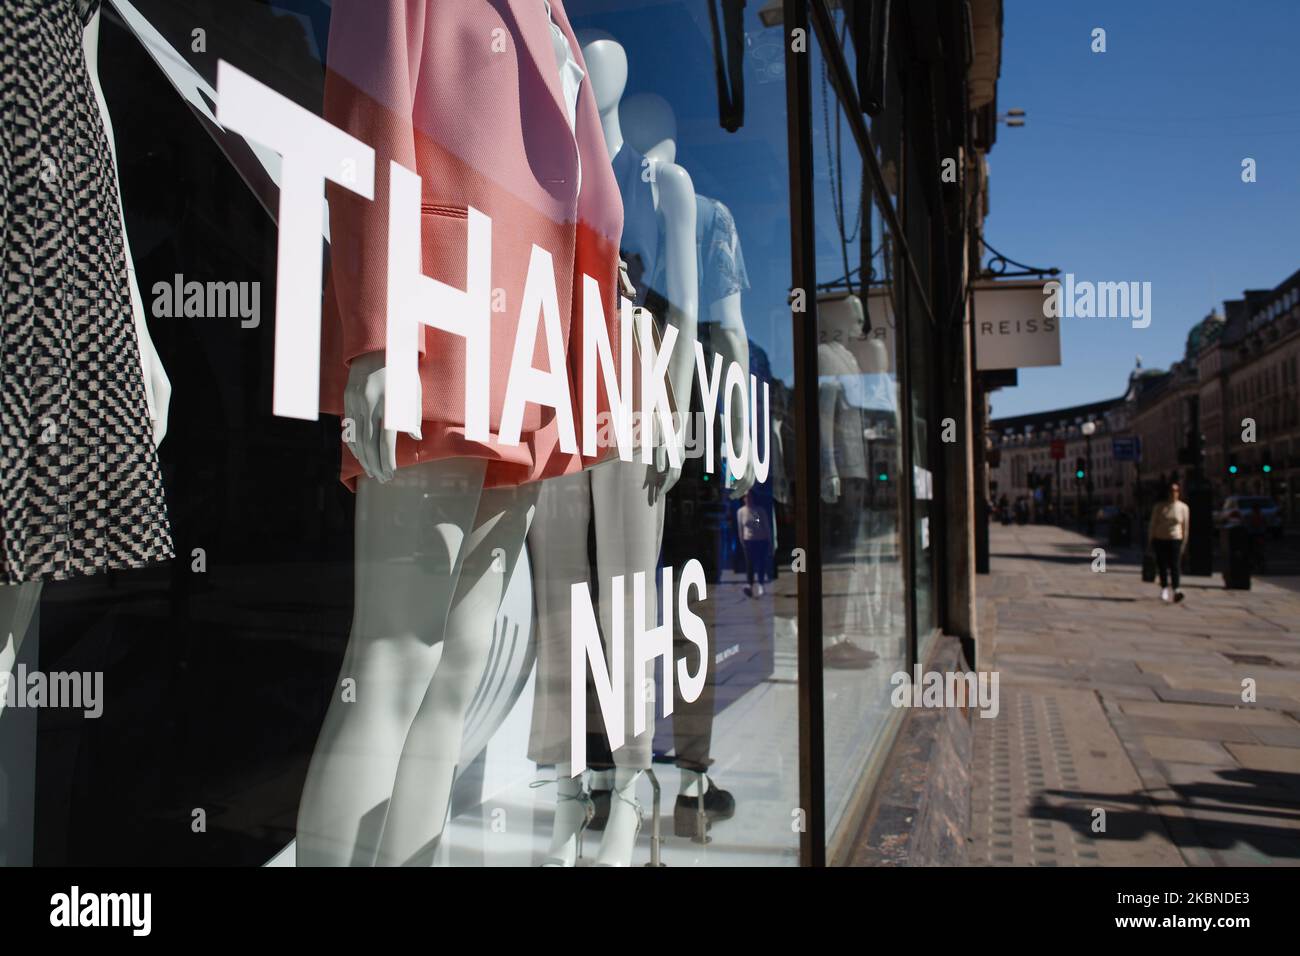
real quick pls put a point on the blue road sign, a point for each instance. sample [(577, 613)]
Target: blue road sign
[(1127, 449)]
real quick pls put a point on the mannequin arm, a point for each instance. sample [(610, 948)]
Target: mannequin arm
[(828, 392), (732, 343), (677, 208), (157, 386), (375, 50)]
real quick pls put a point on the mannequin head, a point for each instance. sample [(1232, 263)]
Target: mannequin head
[(650, 126), (843, 315), (606, 67)]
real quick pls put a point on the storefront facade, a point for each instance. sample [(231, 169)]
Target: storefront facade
[(366, 646)]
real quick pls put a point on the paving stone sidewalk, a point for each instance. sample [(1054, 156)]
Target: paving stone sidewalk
[(1114, 701)]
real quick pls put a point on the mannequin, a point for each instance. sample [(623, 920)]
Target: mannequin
[(18, 601), (845, 458), (622, 501), (433, 510), (651, 128)]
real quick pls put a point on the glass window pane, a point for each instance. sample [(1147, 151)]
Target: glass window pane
[(862, 474), (401, 648)]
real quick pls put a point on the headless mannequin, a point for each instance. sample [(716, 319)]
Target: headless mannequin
[(872, 356), (427, 593), (426, 597), (18, 601), (623, 500), (650, 125), (840, 360), (651, 128)]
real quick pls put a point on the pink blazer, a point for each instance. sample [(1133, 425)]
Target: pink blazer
[(466, 94)]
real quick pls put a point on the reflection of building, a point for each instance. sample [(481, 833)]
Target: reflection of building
[(1238, 372), (1027, 469), (1254, 364)]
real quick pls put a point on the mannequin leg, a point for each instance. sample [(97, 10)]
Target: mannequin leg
[(17, 605), (572, 814), (409, 537), (629, 526), (557, 547), (427, 769)]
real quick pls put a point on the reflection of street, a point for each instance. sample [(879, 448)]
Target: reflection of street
[(1113, 701)]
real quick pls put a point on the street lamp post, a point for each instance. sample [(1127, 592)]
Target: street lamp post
[(1059, 491), (1088, 429)]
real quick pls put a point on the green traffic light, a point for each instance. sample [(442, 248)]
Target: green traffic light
[(1267, 469), (1079, 473), (1232, 469), (882, 477)]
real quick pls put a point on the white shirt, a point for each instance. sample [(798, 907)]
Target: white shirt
[(571, 76), (1169, 521)]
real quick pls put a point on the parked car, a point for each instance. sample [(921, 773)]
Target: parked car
[(1107, 513), (1238, 509)]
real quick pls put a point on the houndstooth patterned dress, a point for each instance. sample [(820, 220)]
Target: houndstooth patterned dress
[(80, 488)]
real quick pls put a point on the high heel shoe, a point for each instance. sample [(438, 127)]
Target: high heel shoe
[(568, 827), (611, 854)]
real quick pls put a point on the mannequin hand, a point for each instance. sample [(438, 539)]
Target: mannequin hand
[(374, 446), (830, 488), (660, 475), (744, 482), (160, 386)]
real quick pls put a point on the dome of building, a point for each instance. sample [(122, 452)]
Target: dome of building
[(1204, 333)]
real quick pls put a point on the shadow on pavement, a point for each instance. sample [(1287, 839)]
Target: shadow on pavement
[(1066, 557), (1261, 794)]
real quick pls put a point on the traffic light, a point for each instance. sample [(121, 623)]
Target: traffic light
[(1080, 469), (1232, 464)]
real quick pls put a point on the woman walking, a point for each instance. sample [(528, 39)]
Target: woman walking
[(756, 540), (1167, 537)]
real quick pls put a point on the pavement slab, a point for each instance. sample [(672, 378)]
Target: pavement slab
[(1123, 737)]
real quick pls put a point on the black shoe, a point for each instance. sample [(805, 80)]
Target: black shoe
[(718, 805), (600, 809), (1178, 596)]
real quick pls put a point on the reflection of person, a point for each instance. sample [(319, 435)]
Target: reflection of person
[(1168, 534), (755, 530)]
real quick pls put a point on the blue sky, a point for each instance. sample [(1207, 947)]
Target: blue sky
[(1129, 168)]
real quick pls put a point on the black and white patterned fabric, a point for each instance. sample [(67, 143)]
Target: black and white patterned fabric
[(80, 488)]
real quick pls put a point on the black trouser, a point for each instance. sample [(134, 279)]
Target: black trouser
[(1168, 557), (756, 559)]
